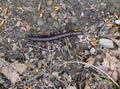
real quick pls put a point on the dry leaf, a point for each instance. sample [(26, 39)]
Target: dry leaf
[(19, 67), (87, 85), (113, 66), (90, 58), (106, 63), (8, 71), (115, 75), (90, 62), (112, 60)]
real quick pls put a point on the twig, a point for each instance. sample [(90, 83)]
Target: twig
[(68, 49), (51, 61), (40, 47)]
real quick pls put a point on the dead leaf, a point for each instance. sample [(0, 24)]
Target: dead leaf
[(113, 66), (87, 85), (90, 58), (9, 72), (19, 67), (110, 62), (90, 62), (115, 75), (106, 63), (113, 59)]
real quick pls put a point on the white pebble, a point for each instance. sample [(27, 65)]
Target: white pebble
[(117, 22), (107, 43), (92, 50)]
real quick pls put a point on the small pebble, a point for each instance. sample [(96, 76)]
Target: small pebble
[(30, 49), (55, 74), (87, 52), (38, 28), (40, 22), (74, 20), (55, 24), (117, 22), (106, 43), (92, 50)]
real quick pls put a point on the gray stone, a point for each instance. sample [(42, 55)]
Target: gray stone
[(117, 22), (55, 24), (107, 43), (74, 20), (40, 22), (92, 50), (87, 52)]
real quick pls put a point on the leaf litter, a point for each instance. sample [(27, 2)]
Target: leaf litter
[(12, 70), (79, 62)]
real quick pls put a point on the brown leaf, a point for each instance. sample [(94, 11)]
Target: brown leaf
[(9, 72), (106, 63), (113, 66), (87, 85), (19, 67), (110, 62), (115, 75)]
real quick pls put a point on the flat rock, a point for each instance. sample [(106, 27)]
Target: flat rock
[(117, 22), (107, 43)]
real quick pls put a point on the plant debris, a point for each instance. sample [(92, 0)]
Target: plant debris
[(90, 60), (12, 71)]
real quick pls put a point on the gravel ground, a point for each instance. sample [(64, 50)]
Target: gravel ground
[(90, 60)]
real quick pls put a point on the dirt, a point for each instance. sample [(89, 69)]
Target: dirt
[(74, 62)]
